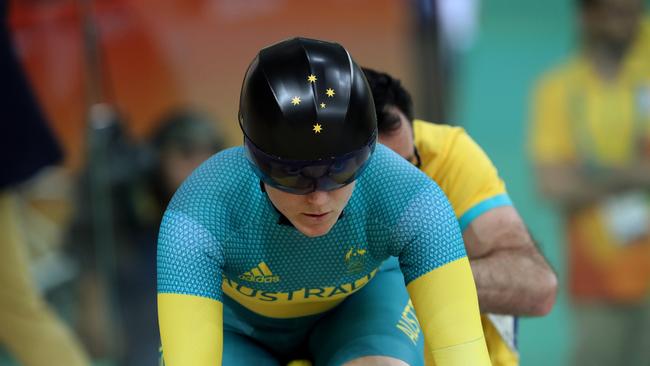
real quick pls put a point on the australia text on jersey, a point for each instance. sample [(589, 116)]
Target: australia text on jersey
[(303, 294)]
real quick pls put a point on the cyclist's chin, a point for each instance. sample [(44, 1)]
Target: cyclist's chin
[(314, 226)]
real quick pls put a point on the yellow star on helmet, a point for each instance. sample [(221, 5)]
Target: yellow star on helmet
[(329, 92), (322, 105), (311, 78), (317, 128), (295, 100)]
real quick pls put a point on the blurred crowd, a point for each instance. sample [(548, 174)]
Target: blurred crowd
[(96, 268), (77, 253), (84, 242), (590, 141), (104, 286)]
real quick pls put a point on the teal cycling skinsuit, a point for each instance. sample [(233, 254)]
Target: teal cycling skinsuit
[(272, 292)]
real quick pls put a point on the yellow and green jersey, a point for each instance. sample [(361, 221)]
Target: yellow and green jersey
[(471, 182), (221, 239), (579, 119)]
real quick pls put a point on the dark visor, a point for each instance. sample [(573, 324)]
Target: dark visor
[(306, 176)]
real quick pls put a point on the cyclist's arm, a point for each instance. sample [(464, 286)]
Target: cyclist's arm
[(190, 312), (440, 282), (191, 330), (446, 305)]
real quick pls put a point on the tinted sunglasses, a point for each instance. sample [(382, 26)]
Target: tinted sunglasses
[(307, 176)]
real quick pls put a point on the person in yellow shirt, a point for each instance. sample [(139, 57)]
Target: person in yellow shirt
[(511, 275), (590, 140)]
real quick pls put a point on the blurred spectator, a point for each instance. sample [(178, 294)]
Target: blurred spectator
[(142, 181), (28, 328), (590, 140), (182, 142)]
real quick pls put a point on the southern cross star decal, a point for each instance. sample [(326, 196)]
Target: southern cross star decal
[(317, 127)]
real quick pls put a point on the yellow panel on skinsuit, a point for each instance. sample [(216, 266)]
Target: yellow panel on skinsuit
[(191, 329), (458, 314), (301, 302)]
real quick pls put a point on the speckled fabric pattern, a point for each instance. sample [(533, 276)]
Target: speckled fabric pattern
[(220, 225)]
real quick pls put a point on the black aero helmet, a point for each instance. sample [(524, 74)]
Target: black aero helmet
[(308, 116)]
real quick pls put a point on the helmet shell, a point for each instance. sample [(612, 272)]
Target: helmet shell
[(305, 99)]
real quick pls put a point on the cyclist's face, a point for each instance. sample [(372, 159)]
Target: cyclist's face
[(313, 214)]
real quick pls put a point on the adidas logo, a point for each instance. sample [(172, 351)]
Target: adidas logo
[(260, 274)]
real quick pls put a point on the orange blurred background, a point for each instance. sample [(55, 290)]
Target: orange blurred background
[(185, 53)]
